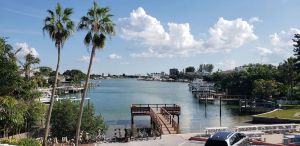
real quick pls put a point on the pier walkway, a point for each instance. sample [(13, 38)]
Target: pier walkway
[(162, 116)]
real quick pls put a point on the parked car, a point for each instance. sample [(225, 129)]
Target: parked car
[(228, 138)]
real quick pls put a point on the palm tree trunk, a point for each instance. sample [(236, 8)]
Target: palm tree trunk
[(83, 97), (52, 98)]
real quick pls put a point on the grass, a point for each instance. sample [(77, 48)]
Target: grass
[(285, 114)]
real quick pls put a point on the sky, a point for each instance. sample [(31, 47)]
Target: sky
[(155, 35)]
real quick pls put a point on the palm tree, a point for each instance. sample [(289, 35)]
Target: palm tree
[(98, 23), (30, 60), (59, 27)]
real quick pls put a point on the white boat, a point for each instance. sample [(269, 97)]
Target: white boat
[(201, 86)]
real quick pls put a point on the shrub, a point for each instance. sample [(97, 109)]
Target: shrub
[(12, 141), (29, 142), (290, 106)]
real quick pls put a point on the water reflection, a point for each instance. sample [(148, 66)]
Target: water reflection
[(114, 97)]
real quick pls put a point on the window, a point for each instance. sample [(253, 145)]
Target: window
[(215, 143)]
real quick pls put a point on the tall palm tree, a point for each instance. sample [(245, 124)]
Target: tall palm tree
[(98, 23), (59, 27)]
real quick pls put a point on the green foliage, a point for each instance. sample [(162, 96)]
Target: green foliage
[(65, 115), (206, 68), (296, 50), (45, 71), (91, 123), (265, 88), (58, 25), (21, 142), (12, 141), (12, 113), (288, 76), (190, 69), (9, 75), (99, 24), (290, 106), (27, 65), (75, 75), (28, 142), (63, 120), (242, 82), (34, 114)]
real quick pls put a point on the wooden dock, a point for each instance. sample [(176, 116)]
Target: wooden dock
[(162, 116)]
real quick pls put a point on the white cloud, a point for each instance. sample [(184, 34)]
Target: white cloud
[(281, 46), (282, 42), (227, 35), (86, 59), (227, 65), (124, 63), (177, 40), (114, 57), (25, 50), (254, 19), (264, 51)]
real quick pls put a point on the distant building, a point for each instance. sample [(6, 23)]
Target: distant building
[(174, 72)]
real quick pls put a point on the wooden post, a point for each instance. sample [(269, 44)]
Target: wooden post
[(220, 110), (240, 106), (132, 123), (177, 124)]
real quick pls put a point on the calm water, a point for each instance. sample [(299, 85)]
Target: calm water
[(113, 99)]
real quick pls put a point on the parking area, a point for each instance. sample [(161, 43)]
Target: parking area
[(167, 140)]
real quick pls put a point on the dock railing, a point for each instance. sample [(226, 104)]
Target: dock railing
[(145, 108), (169, 118), (156, 121)]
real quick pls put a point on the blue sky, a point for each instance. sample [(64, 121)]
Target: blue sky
[(153, 36)]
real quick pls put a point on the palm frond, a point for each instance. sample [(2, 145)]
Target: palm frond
[(88, 38), (58, 25), (51, 13), (99, 24), (58, 10)]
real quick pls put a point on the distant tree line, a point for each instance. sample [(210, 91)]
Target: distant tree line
[(263, 80)]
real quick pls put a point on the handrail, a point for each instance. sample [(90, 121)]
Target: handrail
[(170, 119), (155, 105), (156, 121)]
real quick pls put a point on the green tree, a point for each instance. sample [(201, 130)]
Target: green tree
[(30, 60), (265, 89), (12, 114), (65, 115), (35, 113), (288, 75), (190, 69), (296, 50), (45, 71), (59, 27), (9, 77), (99, 25), (75, 75)]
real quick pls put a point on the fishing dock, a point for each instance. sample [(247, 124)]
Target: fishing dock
[(164, 117)]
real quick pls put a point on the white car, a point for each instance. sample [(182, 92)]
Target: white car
[(228, 138)]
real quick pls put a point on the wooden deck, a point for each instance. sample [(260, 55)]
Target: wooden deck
[(162, 116)]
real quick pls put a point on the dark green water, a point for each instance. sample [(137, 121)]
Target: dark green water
[(113, 99)]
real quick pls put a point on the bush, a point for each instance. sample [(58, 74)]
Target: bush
[(12, 141), (21, 142), (29, 142), (65, 116), (290, 106)]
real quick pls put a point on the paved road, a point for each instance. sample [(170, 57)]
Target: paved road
[(167, 140)]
